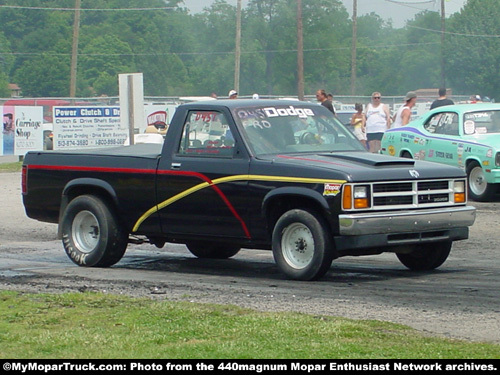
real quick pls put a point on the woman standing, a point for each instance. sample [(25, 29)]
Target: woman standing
[(358, 122), (378, 120)]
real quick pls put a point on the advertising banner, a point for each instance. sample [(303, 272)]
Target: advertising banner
[(22, 130), (88, 127)]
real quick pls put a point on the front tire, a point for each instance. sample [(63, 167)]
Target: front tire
[(479, 189), (91, 233), (426, 257), (302, 245)]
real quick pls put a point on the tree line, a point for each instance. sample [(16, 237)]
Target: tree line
[(180, 53)]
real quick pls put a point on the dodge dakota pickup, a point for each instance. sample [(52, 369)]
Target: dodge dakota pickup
[(285, 176)]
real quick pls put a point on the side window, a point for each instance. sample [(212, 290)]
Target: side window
[(448, 124), (443, 123), (206, 133), (432, 123)]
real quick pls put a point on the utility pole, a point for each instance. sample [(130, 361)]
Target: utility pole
[(353, 49), (237, 54), (300, 52), (443, 74), (74, 50)]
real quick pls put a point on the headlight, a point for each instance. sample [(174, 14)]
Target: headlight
[(459, 191), (355, 196), (497, 159)]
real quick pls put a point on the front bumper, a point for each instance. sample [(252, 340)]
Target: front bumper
[(368, 230)]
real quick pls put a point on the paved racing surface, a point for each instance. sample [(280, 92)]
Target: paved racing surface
[(459, 300)]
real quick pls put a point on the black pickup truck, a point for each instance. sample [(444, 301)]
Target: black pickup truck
[(258, 174)]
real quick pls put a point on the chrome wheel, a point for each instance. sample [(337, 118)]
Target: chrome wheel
[(298, 245), (85, 231), (477, 181)]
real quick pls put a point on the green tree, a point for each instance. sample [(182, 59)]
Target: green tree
[(473, 49), (44, 75)]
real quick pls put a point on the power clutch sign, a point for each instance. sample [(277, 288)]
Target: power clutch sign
[(88, 127)]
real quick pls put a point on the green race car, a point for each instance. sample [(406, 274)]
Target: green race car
[(463, 135)]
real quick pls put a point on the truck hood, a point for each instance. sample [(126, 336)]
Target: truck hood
[(365, 166)]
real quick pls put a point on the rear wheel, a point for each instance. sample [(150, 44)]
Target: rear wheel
[(479, 189), (92, 235), (302, 245), (426, 257), (212, 250)]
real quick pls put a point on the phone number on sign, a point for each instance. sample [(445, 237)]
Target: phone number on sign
[(105, 142), (73, 142)]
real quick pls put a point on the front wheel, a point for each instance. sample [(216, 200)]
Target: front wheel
[(91, 233), (426, 257), (302, 245), (479, 189)]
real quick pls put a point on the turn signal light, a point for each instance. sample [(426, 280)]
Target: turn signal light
[(361, 203), (347, 197), (459, 197)]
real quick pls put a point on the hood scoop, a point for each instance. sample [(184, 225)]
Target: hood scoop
[(375, 160)]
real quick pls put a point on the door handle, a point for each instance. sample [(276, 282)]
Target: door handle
[(175, 166)]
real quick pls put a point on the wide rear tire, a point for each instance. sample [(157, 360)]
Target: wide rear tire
[(91, 233), (302, 245)]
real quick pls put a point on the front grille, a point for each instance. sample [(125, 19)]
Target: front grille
[(396, 186), (411, 194), (433, 185)]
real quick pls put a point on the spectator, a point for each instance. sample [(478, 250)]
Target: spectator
[(378, 120), (321, 96), (358, 122), (403, 115), (233, 94), (442, 100)]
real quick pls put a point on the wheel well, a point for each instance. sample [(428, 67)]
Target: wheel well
[(471, 161), (89, 190), (78, 190), (405, 153), (279, 205)]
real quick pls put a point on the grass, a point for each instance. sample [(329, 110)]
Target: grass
[(91, 325), (11, 167)]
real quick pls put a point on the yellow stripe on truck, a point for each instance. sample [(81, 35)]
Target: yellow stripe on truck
[(243, 177)]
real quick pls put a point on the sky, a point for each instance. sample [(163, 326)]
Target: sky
[(397, 10)]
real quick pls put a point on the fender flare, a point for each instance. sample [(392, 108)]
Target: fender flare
[(94, 183), (296, 191)]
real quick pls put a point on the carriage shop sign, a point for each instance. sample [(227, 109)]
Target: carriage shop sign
[(87, 127)]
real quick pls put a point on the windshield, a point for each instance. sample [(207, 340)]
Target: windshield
[(294, 128)]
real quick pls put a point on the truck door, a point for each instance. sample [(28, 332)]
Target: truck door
[(196, 189)]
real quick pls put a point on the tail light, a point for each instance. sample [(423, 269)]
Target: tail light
[(24, 180)]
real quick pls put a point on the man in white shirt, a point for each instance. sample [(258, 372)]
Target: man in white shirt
[(378, 120)]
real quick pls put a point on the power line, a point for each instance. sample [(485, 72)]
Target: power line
[(83, 9), (458, 34), (409, 4), (220, 52)]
